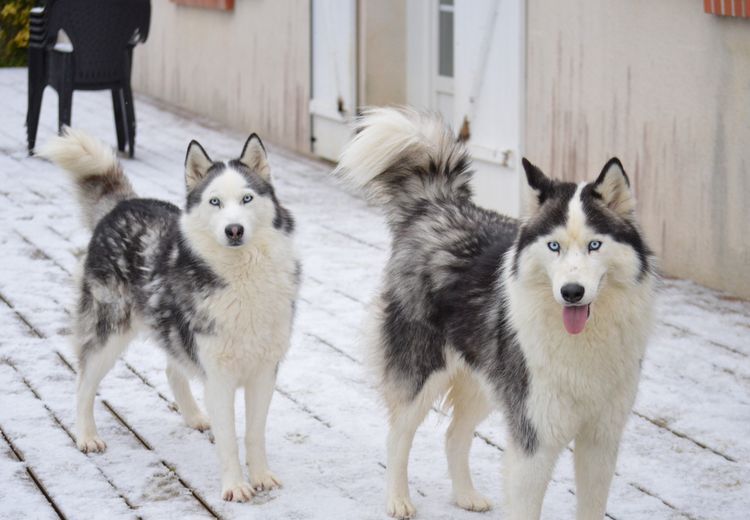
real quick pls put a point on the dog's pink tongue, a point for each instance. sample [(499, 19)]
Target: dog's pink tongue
[(574, 318)]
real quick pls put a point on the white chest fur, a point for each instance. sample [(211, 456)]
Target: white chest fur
[(578, 380), (252, 314)]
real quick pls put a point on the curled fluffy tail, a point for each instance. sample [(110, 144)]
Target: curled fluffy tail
[(93, 166), (402, 158)]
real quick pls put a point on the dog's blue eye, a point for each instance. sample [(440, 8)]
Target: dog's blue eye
[(247, 198), (594, 245), (214, 201), (553, 246)]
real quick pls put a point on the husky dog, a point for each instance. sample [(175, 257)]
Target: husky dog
[(215, 285), (546, 318)]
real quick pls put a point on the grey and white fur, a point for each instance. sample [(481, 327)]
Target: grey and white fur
[(215, 285), (546, 317)]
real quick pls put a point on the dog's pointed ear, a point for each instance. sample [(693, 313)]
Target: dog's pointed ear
[(197, 163), (254, 156), (539, 188), (613, 186)]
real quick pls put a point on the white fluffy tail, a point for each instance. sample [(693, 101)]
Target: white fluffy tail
[(94, 168), (400, 156)]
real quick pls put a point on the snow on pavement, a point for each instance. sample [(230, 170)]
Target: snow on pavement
[(685, 454)]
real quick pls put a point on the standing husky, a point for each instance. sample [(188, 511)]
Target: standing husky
[(546, 317), (216, 285)]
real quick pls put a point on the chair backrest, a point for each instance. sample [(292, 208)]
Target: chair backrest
[(102, 33)]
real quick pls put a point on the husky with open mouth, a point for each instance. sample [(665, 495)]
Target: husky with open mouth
[(546, 317), (215, 285)]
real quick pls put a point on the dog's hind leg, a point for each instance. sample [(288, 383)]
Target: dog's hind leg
[(405, 418), (96, 359), (470, 407), (258, 393), (186, 404)]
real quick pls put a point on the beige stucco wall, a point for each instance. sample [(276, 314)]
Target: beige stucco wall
[(382, 52), (667, 88), (248, 69)]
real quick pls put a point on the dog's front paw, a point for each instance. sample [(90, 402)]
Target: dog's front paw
[(198, 422), (473, 501), (237, 492), (401, 507), (91, 444), (264, 481)]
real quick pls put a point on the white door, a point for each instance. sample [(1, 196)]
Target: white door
[(472, 73), (488, 89), (334, 75), (429, 56), (443, 79)]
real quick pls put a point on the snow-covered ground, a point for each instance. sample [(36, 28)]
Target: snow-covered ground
[(686, 452)]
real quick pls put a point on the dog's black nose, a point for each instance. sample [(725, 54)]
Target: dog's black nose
[(572, 292), (234, 231)]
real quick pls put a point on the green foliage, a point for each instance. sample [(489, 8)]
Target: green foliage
[(14, 32)]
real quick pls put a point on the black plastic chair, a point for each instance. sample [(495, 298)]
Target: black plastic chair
[(102, 35)]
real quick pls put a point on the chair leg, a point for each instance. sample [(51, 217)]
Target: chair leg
[(65, 92), (120, 128), (65, 105), (130, 118), (35, 91)]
